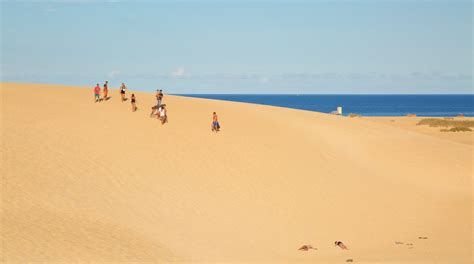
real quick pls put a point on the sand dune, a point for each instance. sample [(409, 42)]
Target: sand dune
[(410, 123), (95, 182)]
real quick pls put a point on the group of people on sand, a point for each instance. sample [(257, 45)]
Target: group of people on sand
[(336, 243), (159, 109), (105, 91)]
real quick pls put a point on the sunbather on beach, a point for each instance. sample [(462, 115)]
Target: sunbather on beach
[(215, 123), (134, 106), (341, 245), (106, 89), (122, 91), (97, 93)]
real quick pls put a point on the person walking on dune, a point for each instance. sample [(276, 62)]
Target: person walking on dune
[(106, 89), (160, 98), (134, 106), (122, 91), (215, 123), (97, 93)]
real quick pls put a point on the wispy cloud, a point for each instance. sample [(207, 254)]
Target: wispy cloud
[(114, 73), (178, 72), (255, 78), (181, 73)]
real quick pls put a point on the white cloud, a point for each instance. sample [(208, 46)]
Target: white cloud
[(178, 72), (113, 74)]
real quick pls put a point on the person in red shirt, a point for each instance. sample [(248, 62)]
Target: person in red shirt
[(97, 93)]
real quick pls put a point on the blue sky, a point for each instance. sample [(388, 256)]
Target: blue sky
[(242, 46)]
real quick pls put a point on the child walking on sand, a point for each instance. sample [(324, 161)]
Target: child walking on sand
[(97, 93), (215, 123), (106, 89), (134, 106)]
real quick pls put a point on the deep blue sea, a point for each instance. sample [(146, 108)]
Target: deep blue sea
[(367, 105)]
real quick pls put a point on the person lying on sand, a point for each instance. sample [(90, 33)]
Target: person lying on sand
[(162, 114), (106, 89), (306, 248), (97, 93), (215, 123), (122, 91), (134, 106), (341, 245)]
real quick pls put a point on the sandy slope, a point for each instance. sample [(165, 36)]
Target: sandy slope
[(409, 123), (95, 182)]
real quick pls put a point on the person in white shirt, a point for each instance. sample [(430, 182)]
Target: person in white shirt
[(162, 114), (122, 92)]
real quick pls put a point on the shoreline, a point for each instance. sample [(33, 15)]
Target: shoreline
[(272, 105)]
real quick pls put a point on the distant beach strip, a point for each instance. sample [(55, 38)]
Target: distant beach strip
[(366, 105)]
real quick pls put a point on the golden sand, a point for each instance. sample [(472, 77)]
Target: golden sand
[(95, 182)]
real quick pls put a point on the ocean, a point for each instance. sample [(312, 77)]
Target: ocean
[(366, 105)]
